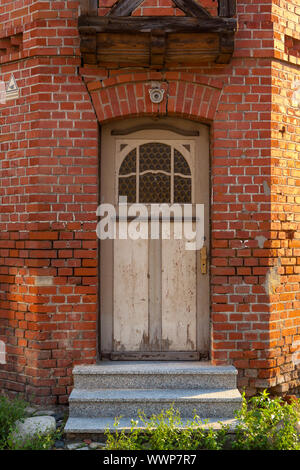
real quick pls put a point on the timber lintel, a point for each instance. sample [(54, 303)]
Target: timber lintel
[(147, 24), (156, 42)]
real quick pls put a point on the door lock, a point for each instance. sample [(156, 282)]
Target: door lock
[(203, 258)]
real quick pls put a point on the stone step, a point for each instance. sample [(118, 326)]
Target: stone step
[(159, 375), (209, 403), (97, 426)]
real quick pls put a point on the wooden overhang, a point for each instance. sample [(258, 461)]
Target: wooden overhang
[(121, 40)]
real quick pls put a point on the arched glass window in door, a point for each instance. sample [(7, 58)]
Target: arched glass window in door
[(155, 172)]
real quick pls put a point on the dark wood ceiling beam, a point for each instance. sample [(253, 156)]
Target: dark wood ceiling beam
[(147, 24)]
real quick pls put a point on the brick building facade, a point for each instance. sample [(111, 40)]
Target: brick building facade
[(49, 147)]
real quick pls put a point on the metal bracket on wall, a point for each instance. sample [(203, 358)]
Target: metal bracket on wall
[(203, 257)]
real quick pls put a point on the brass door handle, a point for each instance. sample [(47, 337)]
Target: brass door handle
[(203, 259)]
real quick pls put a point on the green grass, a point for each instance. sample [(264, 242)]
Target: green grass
[(267, 424), (12, 411), (166, 432), (264, 424), (36, 442)]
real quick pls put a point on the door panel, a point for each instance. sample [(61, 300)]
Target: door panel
[(179, 296), (130, 318)]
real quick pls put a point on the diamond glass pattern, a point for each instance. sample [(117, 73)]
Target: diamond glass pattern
[(182, 190), (180, 164), (155, 175), (127, 187), (155, 188), (129, 163), (155, 156)]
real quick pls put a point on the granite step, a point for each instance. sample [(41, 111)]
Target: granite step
[(149, 375), (96, 427), (208, 403)]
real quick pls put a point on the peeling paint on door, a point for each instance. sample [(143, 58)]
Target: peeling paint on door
[(154, 296)]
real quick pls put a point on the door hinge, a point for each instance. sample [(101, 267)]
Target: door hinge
[(203, 258)]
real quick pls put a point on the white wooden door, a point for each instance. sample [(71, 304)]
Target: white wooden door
[(154, 297)]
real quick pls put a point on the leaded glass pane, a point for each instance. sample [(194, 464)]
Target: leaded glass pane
[(155, 188), (127, 187), (180, 164), (182, 190), (129, 163), (154, 183), (155, 156)]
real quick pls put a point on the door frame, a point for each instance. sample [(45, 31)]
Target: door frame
[(163, 123)]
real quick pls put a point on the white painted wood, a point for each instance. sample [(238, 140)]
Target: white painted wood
[(155, 294), (179, 314), (130, 318), (154, 298)]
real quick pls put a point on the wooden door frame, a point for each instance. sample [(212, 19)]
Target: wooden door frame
[(205, 353)]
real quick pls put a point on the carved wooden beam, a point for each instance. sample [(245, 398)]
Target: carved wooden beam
[(147, 24), (156, 50)]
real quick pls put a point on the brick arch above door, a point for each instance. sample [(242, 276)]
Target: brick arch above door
[(128, 95)]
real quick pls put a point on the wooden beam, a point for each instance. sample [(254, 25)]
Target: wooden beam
[(155, 126), (124, 7), (190, 7), (122, 49), (88, 47), (223, 8), (231, 8), (226, 48), (147, 24), (227, 8), (157, 49), (155, 356), (88, 7)]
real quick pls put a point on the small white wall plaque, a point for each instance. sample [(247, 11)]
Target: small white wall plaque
[(2, 93), (296, 94), (12, 89)]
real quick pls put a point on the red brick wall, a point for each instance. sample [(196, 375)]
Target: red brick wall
[(49, 161), (158, 7), (238, 102), (284, 275), (49, 164)]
